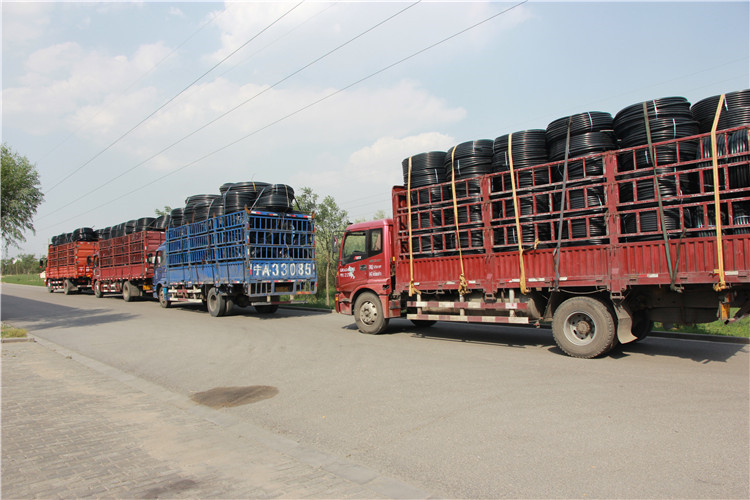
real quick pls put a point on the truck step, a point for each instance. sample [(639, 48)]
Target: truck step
[(519, 320), (433, 304)]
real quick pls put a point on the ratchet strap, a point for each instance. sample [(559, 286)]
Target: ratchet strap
[(721, 285), (462, 284), (518, 222), (556, 284), (412, 288), (652, 152)]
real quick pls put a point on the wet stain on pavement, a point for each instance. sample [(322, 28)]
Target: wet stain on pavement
[(169, 490), (226, 397)]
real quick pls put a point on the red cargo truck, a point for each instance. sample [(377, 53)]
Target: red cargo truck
[(69, 266), (602, 254), (125, 264)]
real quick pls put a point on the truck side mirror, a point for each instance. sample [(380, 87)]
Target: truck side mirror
[(334, 247)]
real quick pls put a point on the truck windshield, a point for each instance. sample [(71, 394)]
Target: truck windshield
[(354, 247)]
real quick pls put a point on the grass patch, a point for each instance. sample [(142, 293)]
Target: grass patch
[(739, 328), (23, 279), (11, 332), (314, 301)]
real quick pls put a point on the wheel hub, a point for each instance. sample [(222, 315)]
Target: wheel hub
[(580, 328), (368, 313)]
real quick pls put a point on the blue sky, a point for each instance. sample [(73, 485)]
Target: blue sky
[(77, 76)]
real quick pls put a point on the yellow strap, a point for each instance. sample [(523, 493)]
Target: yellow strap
[(721, 285), (462, 284), (518, 222), (412, 288)]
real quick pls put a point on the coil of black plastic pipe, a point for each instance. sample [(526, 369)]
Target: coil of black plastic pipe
[(735, 112), (590, 121)]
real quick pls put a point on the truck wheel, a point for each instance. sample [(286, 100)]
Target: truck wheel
[(368, 314), (216, 303), (267, 309), (127, 292), (228, 304), (49, 287), (98, 290), (162, 293), (584, 327), (642, 325), (67, 287)]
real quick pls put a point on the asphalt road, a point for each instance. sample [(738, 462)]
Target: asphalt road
[(466, 411)]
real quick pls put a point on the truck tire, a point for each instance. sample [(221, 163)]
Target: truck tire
[(49, 287), (584, 327), (228, 304), (127, 292), (642, 325), (267, 309), (98, 289), (368, 314), (163, 301), (68, 287), (215, 303)]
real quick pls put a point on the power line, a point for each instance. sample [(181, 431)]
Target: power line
[(136, 81), (235, 108), (304, 108), (175, 97)]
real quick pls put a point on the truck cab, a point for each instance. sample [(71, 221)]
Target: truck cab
[(160, 270), (365, 272)]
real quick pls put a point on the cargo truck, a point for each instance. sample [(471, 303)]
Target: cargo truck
[(602, 254), (68, 266), (125, 264), (248, 258)]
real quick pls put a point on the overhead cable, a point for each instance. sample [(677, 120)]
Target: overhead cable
[(174, 97)]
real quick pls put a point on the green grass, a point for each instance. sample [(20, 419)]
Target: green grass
[(315, 301), (23, 279), (11, 332), (739, 328)]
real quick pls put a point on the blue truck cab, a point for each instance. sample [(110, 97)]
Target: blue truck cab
[(245, 258)]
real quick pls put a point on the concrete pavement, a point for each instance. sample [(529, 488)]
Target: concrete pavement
[(73, 427)]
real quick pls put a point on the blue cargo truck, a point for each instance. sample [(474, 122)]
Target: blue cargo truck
[(247, 258)]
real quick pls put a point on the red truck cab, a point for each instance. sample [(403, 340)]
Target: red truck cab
[(365, 272)]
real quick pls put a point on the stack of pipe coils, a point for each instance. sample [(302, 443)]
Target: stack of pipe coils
[(197, 207), (590, 132), (238, 196), (276, 198)]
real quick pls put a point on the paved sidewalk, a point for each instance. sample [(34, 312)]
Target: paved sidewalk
[(73, 427)]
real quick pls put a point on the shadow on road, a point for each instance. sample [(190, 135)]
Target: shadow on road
[(528, 336), (698, 351), (508, 336), (42, 315)]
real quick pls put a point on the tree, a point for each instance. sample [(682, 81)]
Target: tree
[(167, 210), (330, 219), (20, 197), (23, 264)]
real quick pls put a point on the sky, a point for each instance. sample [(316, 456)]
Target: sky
[(127, 107)]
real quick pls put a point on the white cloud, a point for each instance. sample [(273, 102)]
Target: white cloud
[(24, 21), (176, 12), (65, 83), (371, 172)]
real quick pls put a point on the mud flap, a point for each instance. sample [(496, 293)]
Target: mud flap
[(624, 323)]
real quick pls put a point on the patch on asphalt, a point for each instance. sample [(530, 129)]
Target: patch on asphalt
[(169, 490), (225, 397)]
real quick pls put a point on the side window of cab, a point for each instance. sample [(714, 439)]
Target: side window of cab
[(355, 247), (375, 245)]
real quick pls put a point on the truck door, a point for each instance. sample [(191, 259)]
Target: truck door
[(362, 260)]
